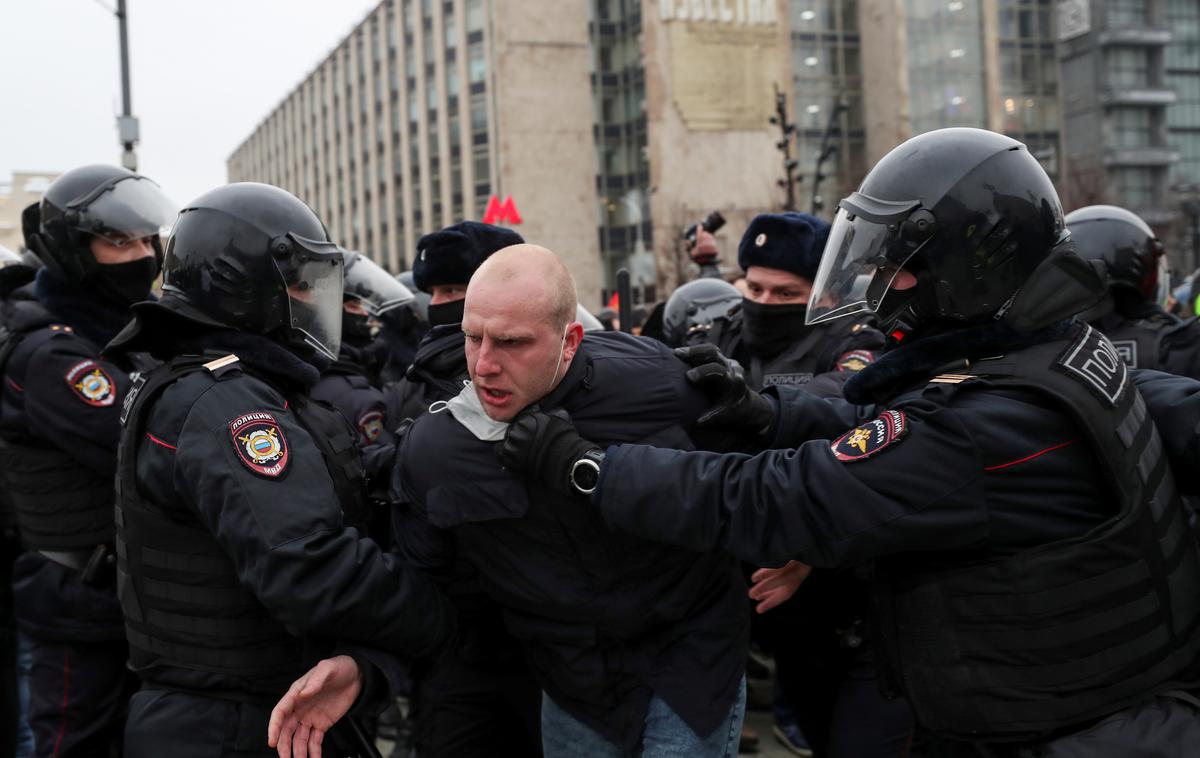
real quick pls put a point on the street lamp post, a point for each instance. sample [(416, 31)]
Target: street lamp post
[(127, 123)]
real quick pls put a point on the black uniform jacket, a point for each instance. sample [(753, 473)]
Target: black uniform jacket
[(992, 472), (281, 525), (437, 372), (347, 386), (61, 394), (608, 619)]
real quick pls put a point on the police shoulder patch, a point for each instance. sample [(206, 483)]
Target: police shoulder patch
[(91, 384), (1092, 360), (855, 360), (370, 426), (260, 444), (866, 440)]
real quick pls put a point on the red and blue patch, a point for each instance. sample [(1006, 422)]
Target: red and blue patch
[(92, 384), (867, 440), (260, 444)]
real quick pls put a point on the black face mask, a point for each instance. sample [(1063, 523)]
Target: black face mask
[(446, 313), (356, 329), (124, 284), (768, 329)]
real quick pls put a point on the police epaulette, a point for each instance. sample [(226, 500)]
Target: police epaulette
[(222, 365), (952, 378)]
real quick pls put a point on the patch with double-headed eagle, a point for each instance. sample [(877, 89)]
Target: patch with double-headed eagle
[(855, 360), (866, 440), (370, 426), (260, 444), (92, 384)]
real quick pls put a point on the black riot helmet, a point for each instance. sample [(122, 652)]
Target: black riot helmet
[(365, 281), (255, 258), (972, 215), (1131, 253), (94, 201), (696, 303)]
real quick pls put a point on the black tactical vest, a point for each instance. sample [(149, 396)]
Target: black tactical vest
[(58, 503), (1045, 641), (1139, 342), (184, 605)]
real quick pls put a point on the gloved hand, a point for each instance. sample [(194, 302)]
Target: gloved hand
[(738, 411), (543, 447)]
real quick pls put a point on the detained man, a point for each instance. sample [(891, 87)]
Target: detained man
[(638, 647)]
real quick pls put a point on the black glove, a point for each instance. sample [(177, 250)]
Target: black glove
[(737, 411), (543, 447)]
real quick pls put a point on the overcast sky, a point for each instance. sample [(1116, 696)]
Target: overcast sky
[(204, 74)]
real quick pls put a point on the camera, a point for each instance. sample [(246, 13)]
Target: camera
[(711, 223)]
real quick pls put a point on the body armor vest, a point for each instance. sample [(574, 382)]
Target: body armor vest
[(1045, 641), (58, 503), (1139, 342), (184, 605)]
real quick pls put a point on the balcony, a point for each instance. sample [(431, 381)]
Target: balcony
[(1137, 96), (1140, 156), (1141, 37)]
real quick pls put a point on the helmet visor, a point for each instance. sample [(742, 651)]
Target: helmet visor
[(375, 288), (858, 265), (313, 276), (130, 208)]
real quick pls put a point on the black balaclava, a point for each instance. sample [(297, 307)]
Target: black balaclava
[(124, 284), (447, 313), (769, 329)]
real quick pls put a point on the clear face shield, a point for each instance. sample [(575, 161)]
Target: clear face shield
[(870, 242), (312, 272), (375, 288), (131, 208)]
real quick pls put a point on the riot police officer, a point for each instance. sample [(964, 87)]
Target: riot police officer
[(1033, 565), (696, 304), (768, 335), (97, 234), (351, 383), (478, 694), (1132, 316), (237, 565)]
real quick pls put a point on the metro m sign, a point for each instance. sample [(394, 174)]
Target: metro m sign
[(501, 212)]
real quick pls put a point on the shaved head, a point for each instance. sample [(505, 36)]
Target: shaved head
[(533, 272), (520, 328)]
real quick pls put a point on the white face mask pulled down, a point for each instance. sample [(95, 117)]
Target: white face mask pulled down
[(467, 409)]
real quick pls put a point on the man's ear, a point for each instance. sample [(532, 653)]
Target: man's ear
[(572, 339)]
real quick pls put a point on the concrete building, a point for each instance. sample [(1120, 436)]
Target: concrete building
[(1183, 127), (610, 125), (16, 194), (1115, 100), (614, 124), (428, 110)]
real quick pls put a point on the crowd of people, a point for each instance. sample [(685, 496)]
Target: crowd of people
[(933, 462)]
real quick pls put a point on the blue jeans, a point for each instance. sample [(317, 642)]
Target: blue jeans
[(666, 735), (24, 664)]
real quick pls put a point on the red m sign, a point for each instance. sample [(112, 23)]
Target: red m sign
[(501, 212)]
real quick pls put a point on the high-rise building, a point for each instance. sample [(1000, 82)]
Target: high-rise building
[(612, 125), (1183, 127), (1115, 99), (431, 111)]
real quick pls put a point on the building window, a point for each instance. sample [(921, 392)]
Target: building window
[(1132, 127), (1135, 187), (1128, 66), (476, 64), (1127, 13)]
